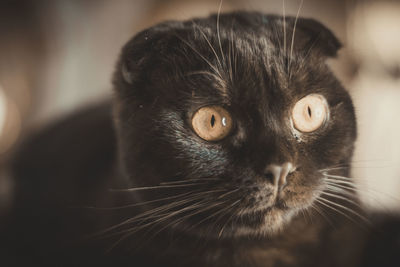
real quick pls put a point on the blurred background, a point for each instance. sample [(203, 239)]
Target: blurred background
[(57, 56)]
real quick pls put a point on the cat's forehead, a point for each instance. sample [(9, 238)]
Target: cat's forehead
[(238, 63), (234, 57)]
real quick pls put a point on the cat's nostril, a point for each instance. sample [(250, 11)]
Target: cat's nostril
[(277, 174)]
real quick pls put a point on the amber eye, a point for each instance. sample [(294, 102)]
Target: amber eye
[(309, 113), (212, 123)]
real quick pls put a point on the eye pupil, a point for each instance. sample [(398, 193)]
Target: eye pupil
[(212, 120), (309, 111)]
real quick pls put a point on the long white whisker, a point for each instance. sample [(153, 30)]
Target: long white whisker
[(293, 37), (140, 203), (342, 197), (347, 209), (218, 33), (215, 69), (208, 217), (169, 215), (355, 187), (348, 180), (284, 27), (230, 69), (340, 212), (371, 193), (153, 187), (179, 220), (189, 180), (320, 212), (341, 181), (215, 76), (333, 169), (342, 186), (152, 212), (209, 44), (229, 219), (228, 193)]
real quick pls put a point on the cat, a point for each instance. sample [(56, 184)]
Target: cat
[(228, 143)]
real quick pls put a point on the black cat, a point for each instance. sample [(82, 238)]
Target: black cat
[(229, 144)]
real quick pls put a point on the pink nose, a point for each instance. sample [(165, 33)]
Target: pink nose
[(279, 173)]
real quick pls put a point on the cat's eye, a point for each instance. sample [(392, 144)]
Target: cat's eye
[(309, 113), (212, 123)]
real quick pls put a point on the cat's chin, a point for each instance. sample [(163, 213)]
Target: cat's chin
[(260, 224), (271, 222)]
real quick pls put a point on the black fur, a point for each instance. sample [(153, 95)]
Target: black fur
[(257, 70)]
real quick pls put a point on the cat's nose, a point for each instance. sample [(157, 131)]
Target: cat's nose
[(277, 174)]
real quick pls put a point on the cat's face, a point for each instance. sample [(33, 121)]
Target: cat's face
[(235, 125)]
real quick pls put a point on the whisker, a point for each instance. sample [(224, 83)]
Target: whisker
[(149, 213), (358, 188), (209, 44), (208, 217), (342, 186), (352, 193), (230, 69), (340, 212), (153, 212), (153, 187), (221, 82), (228, 193), (336, 167), (307, 54), (161, 217), (192, 207), (193, 198), (179, 220), (215, 69), (234, 52), (138, 204), (340, 190), (340, 180), (135, 229), (304, 215), (293, 36), (323, 215), (229, 219), (284, 27), (189, 180), (218, 33), (342, 198), (347, 180), (347, 209)]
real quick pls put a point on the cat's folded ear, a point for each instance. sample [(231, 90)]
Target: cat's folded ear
[(135, 56), (313, 37), (143, 51)]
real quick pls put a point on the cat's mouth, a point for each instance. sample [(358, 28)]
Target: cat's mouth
[(255, 208), (269, 216), (251, 218), (270, 201), (261, 222)]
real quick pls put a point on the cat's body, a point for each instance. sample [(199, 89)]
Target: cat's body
[(57, 233), (233, 201)]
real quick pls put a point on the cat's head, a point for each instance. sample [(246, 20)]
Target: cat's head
[(235, 116)]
